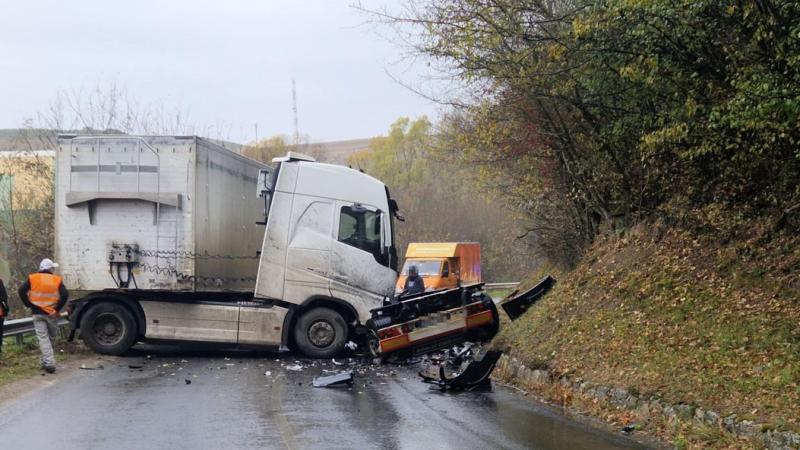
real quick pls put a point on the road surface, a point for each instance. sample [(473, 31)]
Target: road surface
[(255, 400)]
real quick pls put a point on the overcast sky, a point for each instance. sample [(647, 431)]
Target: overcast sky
[(227, 64)]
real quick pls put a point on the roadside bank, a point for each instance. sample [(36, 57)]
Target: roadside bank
[(695, 340), (20, 361)]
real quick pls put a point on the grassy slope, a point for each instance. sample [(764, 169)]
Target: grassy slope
[(660, 312), (18, 361), (21, 361)]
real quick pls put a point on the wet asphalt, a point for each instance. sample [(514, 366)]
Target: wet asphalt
[(231, 403)]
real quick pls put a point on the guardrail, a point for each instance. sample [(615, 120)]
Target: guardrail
[(18, 328), (510, 285)]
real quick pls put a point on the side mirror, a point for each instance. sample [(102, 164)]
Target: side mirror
[(264, 186)]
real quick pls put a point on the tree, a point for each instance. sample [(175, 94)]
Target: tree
[(266, 149), (598, 114), (442, 201)]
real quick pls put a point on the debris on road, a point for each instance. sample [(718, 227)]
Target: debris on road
[(340, 379), (187, 381), (98, 367), (135, 366), (461, 368), (516, 304), (351, 345), (295, 367), (268, 373), (336, 363), (628, 429)]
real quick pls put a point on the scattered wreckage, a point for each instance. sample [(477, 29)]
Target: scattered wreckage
[(459, 318), (461, 368)]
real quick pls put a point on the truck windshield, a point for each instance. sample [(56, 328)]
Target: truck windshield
[(424, 268)]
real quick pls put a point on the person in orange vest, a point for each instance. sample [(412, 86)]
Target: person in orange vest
[(3, 311), (45, 295)]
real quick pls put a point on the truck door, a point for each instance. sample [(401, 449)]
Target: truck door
[(359, 256)]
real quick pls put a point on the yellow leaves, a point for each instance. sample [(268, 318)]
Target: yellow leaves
[(673, 134), (556, 50), (581, 26), (691, 107)]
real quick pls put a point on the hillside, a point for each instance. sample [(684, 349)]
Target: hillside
[(708, 321)]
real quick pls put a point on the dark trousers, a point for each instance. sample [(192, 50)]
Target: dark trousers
[(2, 319)]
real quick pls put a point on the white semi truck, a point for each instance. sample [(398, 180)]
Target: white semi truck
[(159, 237), (163, 238)]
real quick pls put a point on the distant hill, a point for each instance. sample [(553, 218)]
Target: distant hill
[(335, 152)]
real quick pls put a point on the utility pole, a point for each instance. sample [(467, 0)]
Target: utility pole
[(256, 127), (296, 138)]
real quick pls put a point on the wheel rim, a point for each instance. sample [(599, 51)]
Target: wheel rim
[(108, 329), (374, 344), (321, 333)]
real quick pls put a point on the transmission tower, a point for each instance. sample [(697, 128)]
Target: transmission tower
[(296, 138)]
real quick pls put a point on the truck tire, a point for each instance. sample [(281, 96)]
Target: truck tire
[(108, 328), (320, 333)]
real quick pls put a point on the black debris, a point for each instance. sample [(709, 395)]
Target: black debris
[(340, 379), (187, 381), (462, 369), (517, 303)]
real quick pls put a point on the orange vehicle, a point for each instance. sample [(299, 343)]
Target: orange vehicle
[(443, 264)]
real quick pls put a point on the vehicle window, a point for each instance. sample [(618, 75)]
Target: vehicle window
[(361, 228), (423, 267), (446, 269)]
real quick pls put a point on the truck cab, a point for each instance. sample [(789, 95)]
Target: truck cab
[(442, 265), (328, 252)]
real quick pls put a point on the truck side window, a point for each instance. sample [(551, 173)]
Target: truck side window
[(361, 228), (446, 269)]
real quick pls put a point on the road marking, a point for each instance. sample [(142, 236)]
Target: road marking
[(280, 418)]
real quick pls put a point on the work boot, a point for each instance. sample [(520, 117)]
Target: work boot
[(50, 369)]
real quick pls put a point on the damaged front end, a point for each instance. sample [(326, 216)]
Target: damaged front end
[(432, 321)]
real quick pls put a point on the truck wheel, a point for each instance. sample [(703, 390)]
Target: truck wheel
[(108, 328), (320, 333), (373, 344)]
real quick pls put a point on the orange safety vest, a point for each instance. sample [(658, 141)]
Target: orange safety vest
[(44, 291)]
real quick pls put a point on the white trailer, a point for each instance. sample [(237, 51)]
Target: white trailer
[(174, 213)]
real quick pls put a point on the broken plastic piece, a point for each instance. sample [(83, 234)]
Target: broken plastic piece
[(474, 376), (340, 379), (516, 304)]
